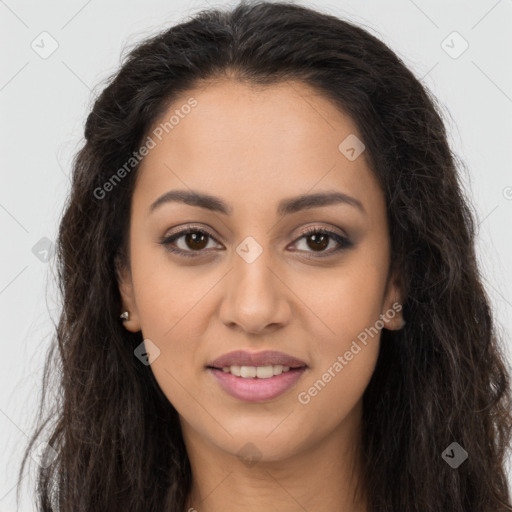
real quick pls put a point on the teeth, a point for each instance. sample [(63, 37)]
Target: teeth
[(261, 372), (248, 371)]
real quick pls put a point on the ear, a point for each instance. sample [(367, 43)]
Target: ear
[(392, 311), (124, 280)]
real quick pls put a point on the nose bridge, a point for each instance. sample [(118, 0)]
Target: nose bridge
[(253, 264), (255, 296)]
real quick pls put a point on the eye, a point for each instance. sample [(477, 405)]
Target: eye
[(319, 239), (195, 240), (193, 237)]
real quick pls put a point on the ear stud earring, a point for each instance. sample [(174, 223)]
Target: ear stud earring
[(125, 316)]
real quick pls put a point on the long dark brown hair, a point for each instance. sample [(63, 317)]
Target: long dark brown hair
[(442, 379)]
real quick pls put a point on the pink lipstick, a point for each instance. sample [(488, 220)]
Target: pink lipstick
[(256, 376)]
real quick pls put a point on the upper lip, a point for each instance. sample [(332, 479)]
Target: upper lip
[(265, 358)]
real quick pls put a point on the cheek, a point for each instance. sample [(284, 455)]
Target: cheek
[(168, 302), (346, 343), (171, 302), (347, 300), (169, 298)]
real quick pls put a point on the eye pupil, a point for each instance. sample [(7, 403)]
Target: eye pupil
[(196, 238), (320, 241)]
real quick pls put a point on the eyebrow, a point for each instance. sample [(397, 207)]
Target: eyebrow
[(285, 207)]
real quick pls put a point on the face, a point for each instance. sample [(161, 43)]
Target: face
[(250, 277)]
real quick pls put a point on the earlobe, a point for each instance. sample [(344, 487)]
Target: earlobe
[(129, 314), (392, 314)]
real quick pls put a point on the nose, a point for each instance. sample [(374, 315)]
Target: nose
[(256, 298)]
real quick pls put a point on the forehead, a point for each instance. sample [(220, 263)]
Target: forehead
[(254, 144)]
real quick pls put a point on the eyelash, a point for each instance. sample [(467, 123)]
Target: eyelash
[(345, 243)]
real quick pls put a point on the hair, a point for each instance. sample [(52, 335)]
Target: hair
[(443, 378)]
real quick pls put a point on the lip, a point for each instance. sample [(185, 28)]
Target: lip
[(254, 389), (264, 358)]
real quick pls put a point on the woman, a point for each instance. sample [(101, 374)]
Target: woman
[(271, 296)]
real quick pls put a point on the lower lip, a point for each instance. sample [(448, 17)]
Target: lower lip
[(254, 389)]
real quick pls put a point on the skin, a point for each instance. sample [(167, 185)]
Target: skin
[(253, 147)]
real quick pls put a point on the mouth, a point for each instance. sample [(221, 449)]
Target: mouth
[(256, 377)]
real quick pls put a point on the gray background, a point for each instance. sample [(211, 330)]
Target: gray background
[(44, 100)]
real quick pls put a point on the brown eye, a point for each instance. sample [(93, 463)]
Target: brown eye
[(194, 240), (318, 239), (318, 242)]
